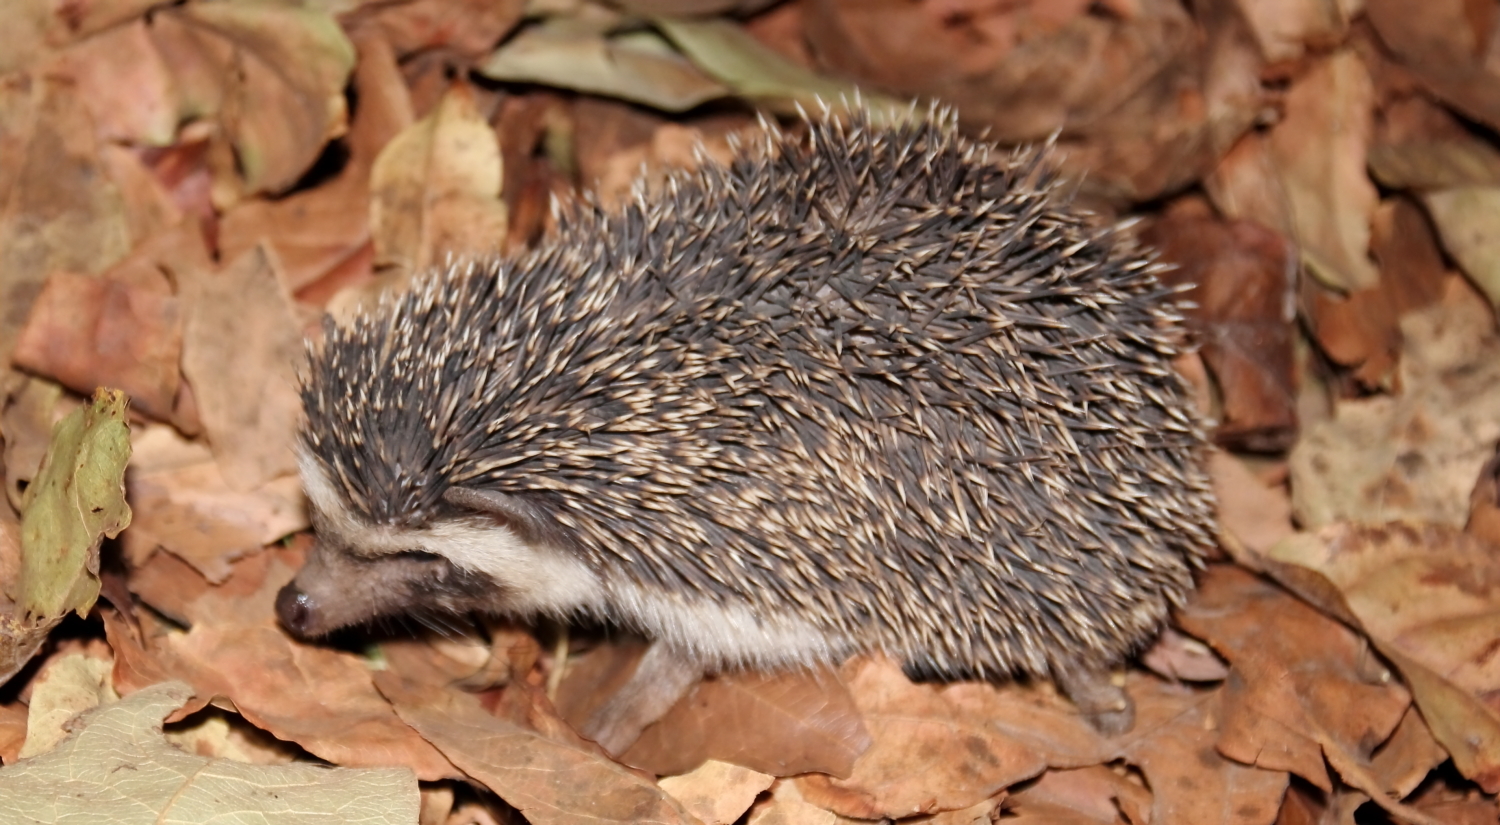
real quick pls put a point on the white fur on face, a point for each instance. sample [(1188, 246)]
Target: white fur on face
[(550, 581)]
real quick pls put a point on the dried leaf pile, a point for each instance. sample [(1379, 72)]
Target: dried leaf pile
[(189, 186)]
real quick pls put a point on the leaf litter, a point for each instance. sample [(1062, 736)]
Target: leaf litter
[(189, 186)]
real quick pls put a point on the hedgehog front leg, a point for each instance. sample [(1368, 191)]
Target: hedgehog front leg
[(1101, 701), (660, 679)]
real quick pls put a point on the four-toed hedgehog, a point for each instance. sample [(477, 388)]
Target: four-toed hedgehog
[(865, 388)]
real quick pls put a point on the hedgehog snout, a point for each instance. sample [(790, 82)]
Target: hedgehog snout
[(297, 611)]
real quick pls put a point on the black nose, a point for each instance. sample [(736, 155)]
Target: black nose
[(296, 610)]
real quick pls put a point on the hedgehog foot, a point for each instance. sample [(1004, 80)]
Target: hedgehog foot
[(660, 679), (1103, 703)]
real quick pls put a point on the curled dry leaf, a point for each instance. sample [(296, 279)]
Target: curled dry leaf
[(117, 766), (1302, 683), (1427, 596), (1319, 150), (272, 75), (76, 500), (435, 188)]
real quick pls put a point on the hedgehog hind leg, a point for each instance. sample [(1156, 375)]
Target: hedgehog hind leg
[(660, 679), (1102, 702)]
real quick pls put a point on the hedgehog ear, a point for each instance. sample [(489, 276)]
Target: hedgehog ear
[(524, 515), (488, 502)]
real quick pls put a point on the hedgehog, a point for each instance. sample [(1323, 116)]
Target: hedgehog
[(865, 387)]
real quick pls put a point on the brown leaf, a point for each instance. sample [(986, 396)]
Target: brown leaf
[(1362, 329), (240, 347), (1428, 597), (1242, 277), (1285, 28), (781, 724), (87, 332), (320, 232), (1244, 185), (930, 752), (717, 793), (1181, 658), (318, 697), (1319, 150), (1256, 514), (1441, 44), (59, 213), (186, 507), (1416, 455), (537, 775), (127, 85), (1079, 797), (1173, 745), (436, 188), (468, 27), (1406, 758), (273, 75), (1302, 683)]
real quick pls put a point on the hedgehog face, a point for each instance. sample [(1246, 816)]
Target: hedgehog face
[(338, 588), (478, 558)]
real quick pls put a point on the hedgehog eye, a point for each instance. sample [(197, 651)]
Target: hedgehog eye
[(419, 555)]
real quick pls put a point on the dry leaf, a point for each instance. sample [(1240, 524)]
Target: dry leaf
[(185, 506), (930, 753), (435, 188), (1302, 683), (319, 697), (1241, 278), (117, 767), (60, 213), (782, 724), (87, 332), (273, 76), (241, 346), (717, 793), (1428, 597), (1415, 456), (537, 775), (1319, 151)]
